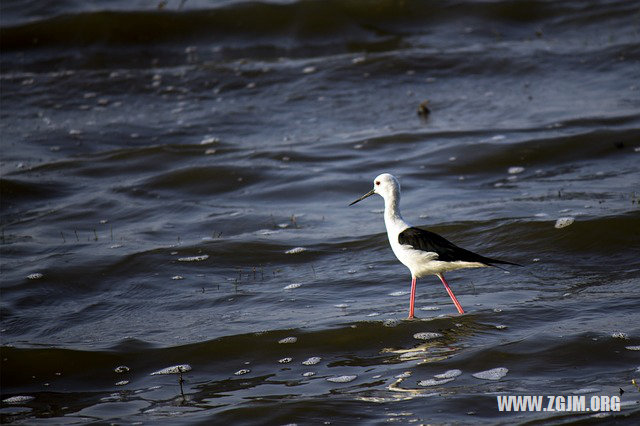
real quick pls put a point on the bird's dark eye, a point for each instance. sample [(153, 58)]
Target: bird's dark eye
[(377, 182)]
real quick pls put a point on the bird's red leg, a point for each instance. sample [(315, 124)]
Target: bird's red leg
[(453, 297), (413, 297)]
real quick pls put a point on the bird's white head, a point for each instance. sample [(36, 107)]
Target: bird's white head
[(385, 185)]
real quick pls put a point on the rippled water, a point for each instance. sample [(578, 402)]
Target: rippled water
[(174, 189)]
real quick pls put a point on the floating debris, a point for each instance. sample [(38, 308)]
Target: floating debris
[(295, 250), (176, 369), (434, 382), (122, 383), (493, 374), (423, 108), (342, 379), (288, 340), (18, 399), (312, 361), (427, 335), (449, 374), (286, 360), (193, 258), (563, 222), (35, 276), (309, 374), (121, 369), (501, 327), (177, 277), (515, 170), (632, 348), (242, 372), (292, 286)]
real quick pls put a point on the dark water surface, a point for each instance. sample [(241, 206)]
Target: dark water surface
[(159, 165)]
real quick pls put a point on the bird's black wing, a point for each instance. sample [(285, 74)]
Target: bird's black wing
[(429, 241)]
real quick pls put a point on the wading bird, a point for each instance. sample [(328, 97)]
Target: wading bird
[(423, 252)]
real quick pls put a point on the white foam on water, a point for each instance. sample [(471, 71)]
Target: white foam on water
[(342, 379), (309, 374), (286, 360), (296, 250), (429, 308), (312, 361), (427, 335), (449, 374), (121, 369), (341, 305), (632, 348), (122, 383), (242, 371), (399, 293), (563, 222), (35, 276), (493, 374), (514, 170), (175, 369), (292, 286), (585, 390), (434, 382), (619, 335), (193, 258), (288, 340), (18, 399), (177, 277)]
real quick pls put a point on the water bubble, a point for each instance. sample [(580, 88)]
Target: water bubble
[(295, 250), (427, 335), (288, 340), (342, 379), (449, 374), (493, 374), (176, 369), (563, 222), (193, 258), (309, 70), (312, 361)]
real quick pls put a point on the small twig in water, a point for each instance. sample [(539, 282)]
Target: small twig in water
[(95, 235), (62, 235), (77, 238)]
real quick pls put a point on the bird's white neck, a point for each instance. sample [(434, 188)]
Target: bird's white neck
[(392, 217)]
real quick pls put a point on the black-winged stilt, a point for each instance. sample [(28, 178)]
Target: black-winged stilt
[(423, 252)]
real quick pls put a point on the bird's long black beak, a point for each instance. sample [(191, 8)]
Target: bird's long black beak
[(368, 194)]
